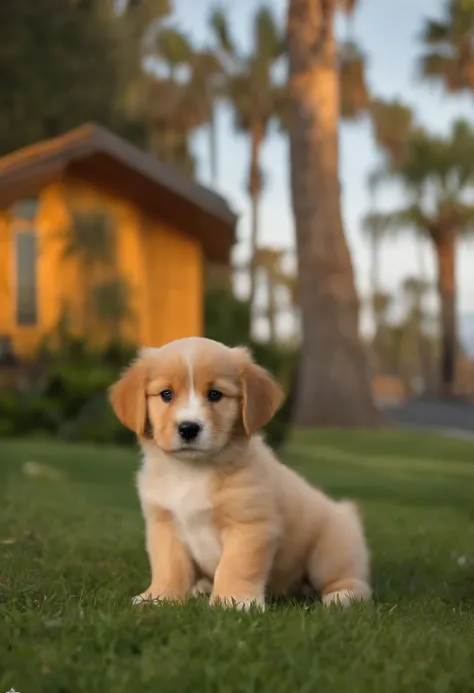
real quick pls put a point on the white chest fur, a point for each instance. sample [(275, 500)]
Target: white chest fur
[(184, 490)]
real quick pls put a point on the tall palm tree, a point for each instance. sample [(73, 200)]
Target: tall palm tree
[(381, 346), (177, 96), (374, 227), (205, 88), (269, 262), (437, 174), (333, 385), (414, 290), (171, 114), (449, 47), (255, 97), (133, 24)]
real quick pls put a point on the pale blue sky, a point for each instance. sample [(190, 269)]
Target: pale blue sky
[(388, 32)]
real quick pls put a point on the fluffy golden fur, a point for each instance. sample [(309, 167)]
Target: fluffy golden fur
[(221, 512)]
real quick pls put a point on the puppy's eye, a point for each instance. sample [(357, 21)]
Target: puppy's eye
[(166, 396), (214, 395)]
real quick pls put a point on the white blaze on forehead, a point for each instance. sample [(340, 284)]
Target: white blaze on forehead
[(192, 410)]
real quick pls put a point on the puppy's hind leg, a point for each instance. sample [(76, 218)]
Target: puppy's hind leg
[(339, 564)]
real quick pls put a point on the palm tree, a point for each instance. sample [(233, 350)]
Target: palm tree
[(204, 90), (170, 112), (174, 49), (254, 96), (269, 262), (374, 226), (449, 44), (333, 385), (437, 173), (414, 291), (133, 24), (381, 345)]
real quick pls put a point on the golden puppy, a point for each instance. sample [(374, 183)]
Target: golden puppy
[(219, 508)]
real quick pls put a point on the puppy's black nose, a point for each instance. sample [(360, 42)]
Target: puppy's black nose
[(189, 430)]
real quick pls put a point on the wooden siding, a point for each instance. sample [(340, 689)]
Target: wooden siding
[(161, 265)]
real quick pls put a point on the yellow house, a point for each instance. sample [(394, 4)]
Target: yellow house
[(100, 236)]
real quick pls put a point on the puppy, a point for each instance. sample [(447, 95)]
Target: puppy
[(219, 509)]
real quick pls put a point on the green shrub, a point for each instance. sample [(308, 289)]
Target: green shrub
[(96, 422), (226, 318), (69, 398)]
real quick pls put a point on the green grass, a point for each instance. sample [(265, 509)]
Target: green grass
[(72, 555)]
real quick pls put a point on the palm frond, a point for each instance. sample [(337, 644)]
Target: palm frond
[(397, 221), (415, 288), (463, 218), (409, 218), (392, 122), (441, 67), (450, 47), (435, 32), (375, 225), (375, 179), (268, 43), (221, 30), (173, 47), (354, 90), (381, 303)]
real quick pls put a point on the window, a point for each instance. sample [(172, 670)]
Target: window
[(23, 216), (25, 209), (25, 277)]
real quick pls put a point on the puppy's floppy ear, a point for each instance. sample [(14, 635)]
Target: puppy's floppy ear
[(261, 396), (128, 397)]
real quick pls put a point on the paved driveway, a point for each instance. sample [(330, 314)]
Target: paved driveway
[(448, 417)]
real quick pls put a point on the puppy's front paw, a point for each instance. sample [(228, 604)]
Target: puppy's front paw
[(245, 604), (341, 598), (146, 598)]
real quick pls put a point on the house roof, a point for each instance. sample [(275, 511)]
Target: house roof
[(95, 154)]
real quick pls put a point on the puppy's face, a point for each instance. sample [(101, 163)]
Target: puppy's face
[(194, 396)]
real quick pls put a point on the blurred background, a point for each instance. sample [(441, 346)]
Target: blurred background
[(154, 156)]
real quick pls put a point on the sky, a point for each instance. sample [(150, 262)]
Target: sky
[(388, 34)]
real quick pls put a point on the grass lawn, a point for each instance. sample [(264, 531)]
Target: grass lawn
[(72, 554)]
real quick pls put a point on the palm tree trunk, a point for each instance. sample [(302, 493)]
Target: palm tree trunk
[(445, 254), (423, 347), (375, 289), (255, 192), (271, 308), (374, 270), (333, 384), (213, 146)]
